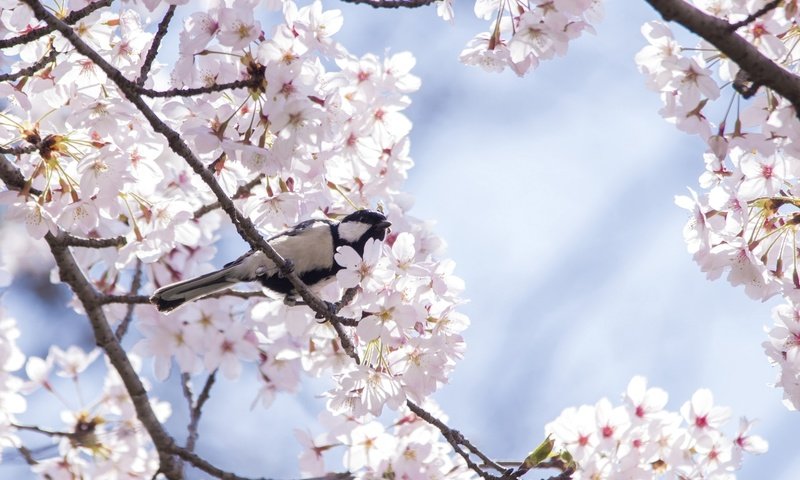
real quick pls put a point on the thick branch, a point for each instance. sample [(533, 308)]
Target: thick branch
[(73, 241), (716, 31), (71, 274), (10, 175)]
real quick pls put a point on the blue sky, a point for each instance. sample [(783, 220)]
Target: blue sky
[(555, 195)]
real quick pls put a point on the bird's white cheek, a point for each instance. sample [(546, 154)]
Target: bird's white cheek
[(352, 232)]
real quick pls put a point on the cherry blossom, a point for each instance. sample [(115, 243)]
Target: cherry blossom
[(640, 439)]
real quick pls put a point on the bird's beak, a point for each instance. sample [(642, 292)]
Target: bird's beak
[(384, 224)]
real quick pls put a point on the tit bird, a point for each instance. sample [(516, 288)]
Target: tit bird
[(309, 246)]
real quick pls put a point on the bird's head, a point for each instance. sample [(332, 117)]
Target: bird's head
[(361, 225)]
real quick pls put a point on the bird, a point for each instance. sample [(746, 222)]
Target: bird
[(309, 247)]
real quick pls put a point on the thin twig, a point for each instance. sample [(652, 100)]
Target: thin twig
[(241, 192), (754, 16), (196, 406), (202, 464), (456, 440), (27, 71), (144, 299), (126, 299), (136, 284), (153, 51), (43, 431), (191, 92), (19, 150), (27, 455)]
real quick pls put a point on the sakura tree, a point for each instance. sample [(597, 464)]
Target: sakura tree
[(122, 169)]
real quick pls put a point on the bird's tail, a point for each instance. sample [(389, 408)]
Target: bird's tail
[(173, 296)]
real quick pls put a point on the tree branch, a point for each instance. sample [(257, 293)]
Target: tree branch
[(716, 31), (27, 71), (191, 92), (136, 283), (19, 150), (753, 16), (153, 51), (10, 174), (73, 241), (42, 31), (196, 406), (71, 274), (241, 192)]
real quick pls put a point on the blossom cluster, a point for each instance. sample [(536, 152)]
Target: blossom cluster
[(316, 133), (12, 403), (640, 439), (523, 34), (100, 437), (744, 220), (410, 448)]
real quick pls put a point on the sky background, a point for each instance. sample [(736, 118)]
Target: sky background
[(555, 194)]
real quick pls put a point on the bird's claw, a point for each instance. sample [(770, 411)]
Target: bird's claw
[(288, 267), (332, 309)]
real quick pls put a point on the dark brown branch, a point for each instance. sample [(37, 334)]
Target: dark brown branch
[(19, 150), (25, 72), (27, 455), (73, 241), (716, 31), (144, 299), (71, 274), (126, 299), (457, 440), (10, 175), (201, 464), (392, 3), (753, 16), (136, 284), (153, 51), (191, 92), (42, 31), (49, 433)]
